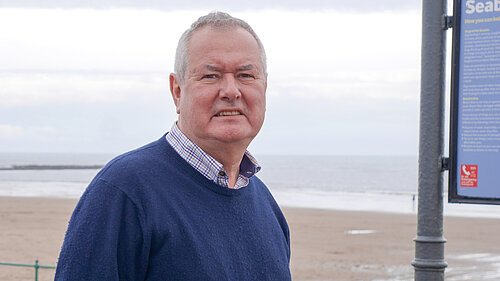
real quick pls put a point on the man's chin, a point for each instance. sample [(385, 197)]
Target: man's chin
[(235, 135)]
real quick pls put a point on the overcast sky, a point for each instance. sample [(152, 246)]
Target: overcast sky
[(86, 77), (229, 5)]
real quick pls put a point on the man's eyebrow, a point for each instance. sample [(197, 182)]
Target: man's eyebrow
[(239, 68), (246, 67), (212, 67)]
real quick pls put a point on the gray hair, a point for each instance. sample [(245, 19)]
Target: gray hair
[(217, 20)]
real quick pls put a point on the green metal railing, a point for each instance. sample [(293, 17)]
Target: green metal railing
[(36, 266)]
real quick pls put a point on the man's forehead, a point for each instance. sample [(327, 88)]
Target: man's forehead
[(205, 36), (219, 29), (224, 49)]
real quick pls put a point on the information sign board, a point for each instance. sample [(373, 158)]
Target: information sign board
[(475, 103)]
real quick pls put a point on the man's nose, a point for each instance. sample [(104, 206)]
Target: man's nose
[(229, 87)]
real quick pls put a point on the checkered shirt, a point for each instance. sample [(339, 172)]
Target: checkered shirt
[(206, 164)]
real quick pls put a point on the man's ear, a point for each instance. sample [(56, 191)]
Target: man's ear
[(175, 89), (265, 84)]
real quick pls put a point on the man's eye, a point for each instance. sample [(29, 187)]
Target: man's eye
[(209, 76), (247, 76)]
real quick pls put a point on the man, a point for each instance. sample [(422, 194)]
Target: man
[(188, 206)]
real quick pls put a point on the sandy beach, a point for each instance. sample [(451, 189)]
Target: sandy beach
[(326, 245)]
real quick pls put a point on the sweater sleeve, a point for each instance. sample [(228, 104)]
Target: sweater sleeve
[(105, 238)]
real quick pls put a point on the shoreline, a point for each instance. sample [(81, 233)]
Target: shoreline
[(326, 244), (390, 203)]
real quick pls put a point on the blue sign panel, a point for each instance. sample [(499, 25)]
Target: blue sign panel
[(475, 137)]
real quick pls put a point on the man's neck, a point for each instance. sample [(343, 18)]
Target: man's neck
[(230, 156), (232, 174)]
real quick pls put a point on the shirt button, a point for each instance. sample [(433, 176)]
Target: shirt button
[(222, 173)]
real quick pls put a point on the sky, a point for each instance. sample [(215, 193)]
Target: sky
[(92, 76)]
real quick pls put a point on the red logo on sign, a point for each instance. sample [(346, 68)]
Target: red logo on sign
[(468, 176)]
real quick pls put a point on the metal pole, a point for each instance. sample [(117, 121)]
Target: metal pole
[(36, 270), (429, 260)]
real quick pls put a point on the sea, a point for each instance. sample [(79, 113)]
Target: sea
[(351, 183)]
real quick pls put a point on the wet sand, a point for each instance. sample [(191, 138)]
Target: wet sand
[(326, 245)]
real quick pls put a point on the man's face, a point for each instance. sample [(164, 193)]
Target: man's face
[(222, 99)]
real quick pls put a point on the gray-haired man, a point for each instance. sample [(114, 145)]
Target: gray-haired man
[(188, 206)]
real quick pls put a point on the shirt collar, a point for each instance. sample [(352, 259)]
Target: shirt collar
[(206, 164)]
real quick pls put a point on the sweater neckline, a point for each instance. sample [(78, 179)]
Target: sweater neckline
[(197, 176)]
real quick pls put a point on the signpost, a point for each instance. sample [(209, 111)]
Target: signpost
[(429, 262), (475, 103), (474, 162)]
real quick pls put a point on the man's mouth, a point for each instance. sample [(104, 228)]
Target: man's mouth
[(228, 113)]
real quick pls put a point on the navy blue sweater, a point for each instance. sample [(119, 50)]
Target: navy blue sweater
[(148, 215)]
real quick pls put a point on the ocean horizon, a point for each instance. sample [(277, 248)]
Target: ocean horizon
[(331, 182)]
